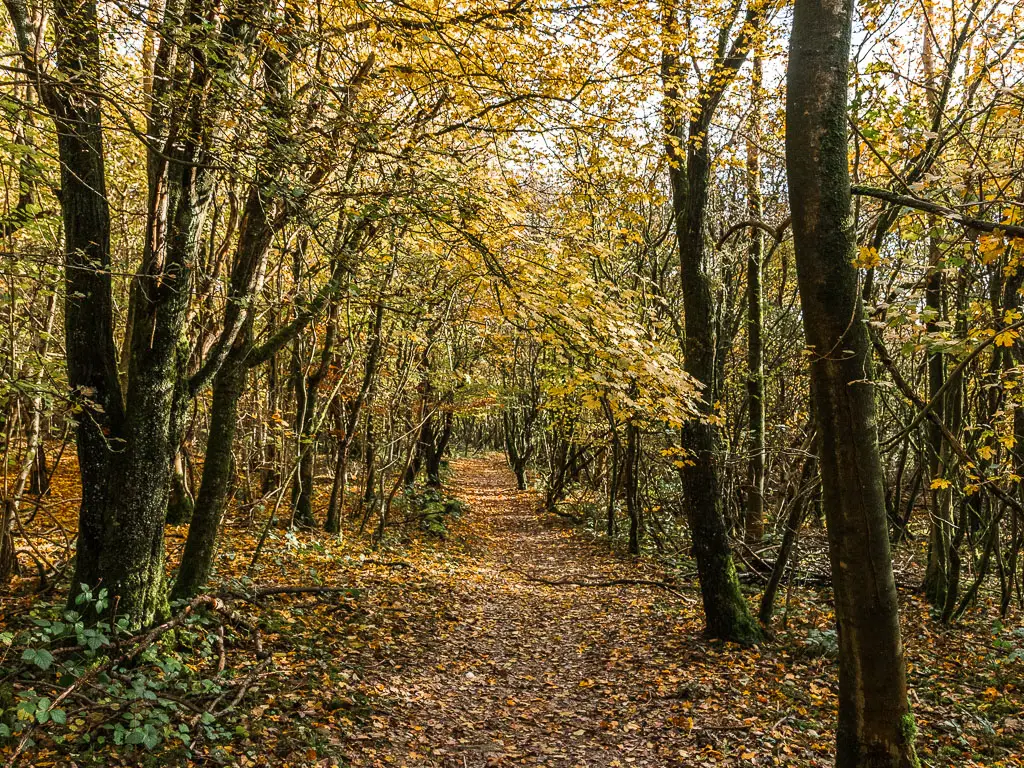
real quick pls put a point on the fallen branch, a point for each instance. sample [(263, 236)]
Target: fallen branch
[(576, 519), (570, 582), (240, 692), (262, 592)]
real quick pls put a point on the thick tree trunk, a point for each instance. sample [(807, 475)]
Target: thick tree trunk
[(88, 326), (120, 541), (875, 726)]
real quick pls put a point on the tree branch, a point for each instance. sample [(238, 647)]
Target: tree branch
[(936, 209)]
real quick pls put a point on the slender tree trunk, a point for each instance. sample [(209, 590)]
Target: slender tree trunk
[(305, 412), (794, 521), (614, 470), (180, 505), (875, 727), (337, 503), (435, 444), (934, 586), (754, 522), (271, 475), (370, 461), (200, 546), (726, 613), (631, 481)]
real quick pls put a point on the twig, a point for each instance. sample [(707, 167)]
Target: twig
[(221, 657), (239, 695)]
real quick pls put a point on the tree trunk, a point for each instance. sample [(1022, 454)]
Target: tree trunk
[(124, 477), (337, 503), (794, 521), (180, 504), (370, 461), (632, 509), (302, 487), (875, 726), (726, 613), (200, 546), (88, 309), (435, 444), (754, 520)]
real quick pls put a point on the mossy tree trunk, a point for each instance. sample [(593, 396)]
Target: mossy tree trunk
[(119, 439), (200, 547), (726, 613), (875, 727)]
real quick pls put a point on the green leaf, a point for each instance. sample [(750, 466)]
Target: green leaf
[(41, 657), (42, 710)]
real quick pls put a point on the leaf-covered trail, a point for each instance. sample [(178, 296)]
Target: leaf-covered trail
[(522, 673)]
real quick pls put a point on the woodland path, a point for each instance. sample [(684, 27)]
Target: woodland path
[(522, 673)]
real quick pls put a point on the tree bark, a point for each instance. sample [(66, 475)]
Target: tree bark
[(200, 546), (875, 726)]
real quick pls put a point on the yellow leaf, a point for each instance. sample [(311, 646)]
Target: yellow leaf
[(1006, 338), (866, 258)]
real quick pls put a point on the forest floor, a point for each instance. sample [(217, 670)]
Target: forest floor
[(447, 652)]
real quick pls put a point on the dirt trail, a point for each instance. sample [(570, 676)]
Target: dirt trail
[(522, 673)]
